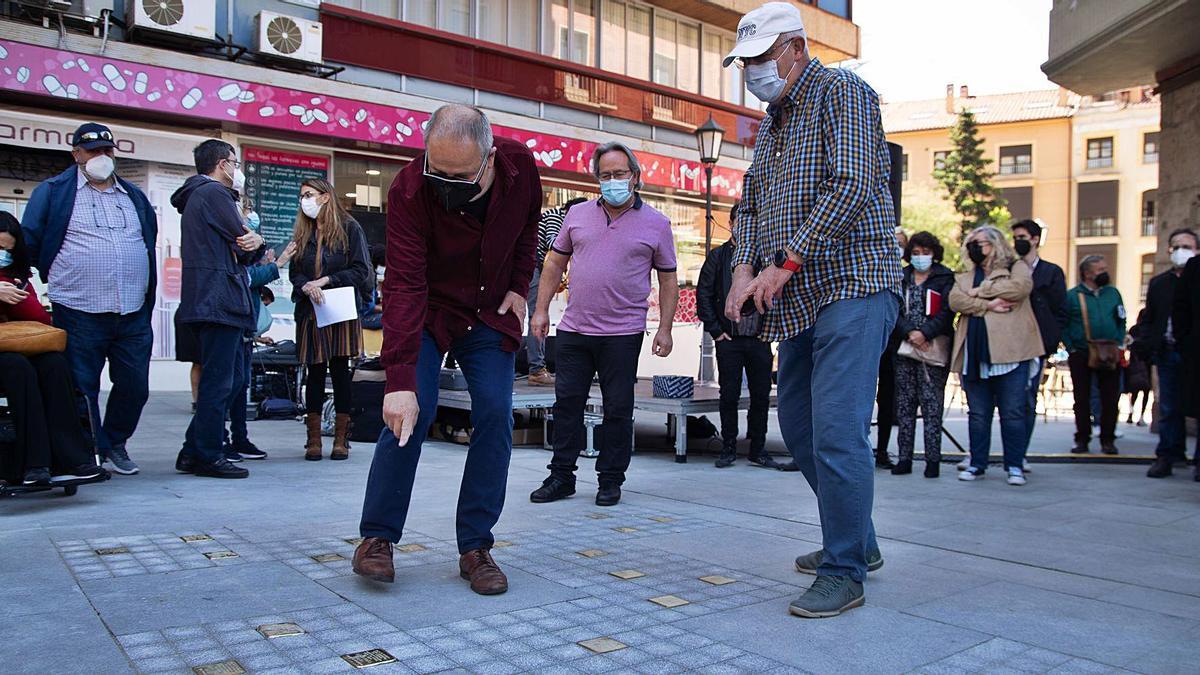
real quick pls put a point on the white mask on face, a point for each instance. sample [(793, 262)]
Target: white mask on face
[(310, 207), (238, 177), (1181, 256), (100, 168)]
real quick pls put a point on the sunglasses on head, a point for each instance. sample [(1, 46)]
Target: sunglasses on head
[(90, 136)]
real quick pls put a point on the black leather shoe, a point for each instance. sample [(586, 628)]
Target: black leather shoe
[(788, 467), (608, 495), (727, 458), (185, 463), (553, 489), (221, 468), (1080, 449), (882, 461), (933, 469), (765, 461), (902, 468), (1161, 468)]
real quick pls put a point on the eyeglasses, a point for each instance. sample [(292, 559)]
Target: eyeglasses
[(309, 193), (614, 175), (451, 179), (762, 58), (236, 164), (89, 136)]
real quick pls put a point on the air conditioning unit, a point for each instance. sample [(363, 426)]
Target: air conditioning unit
[(187, 18), (289, 37)]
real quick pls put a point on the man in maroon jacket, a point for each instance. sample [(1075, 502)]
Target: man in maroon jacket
[(461, 234)]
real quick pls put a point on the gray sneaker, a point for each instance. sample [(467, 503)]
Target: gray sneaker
[(119, 462), (808, 563), (828, 597)]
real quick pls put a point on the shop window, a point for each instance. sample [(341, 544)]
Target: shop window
[(1098, 208), (362, 182), (1019, 201), (1147, 274), (1150, 148), (1016, 159), (1099, 153), (1150, 213)]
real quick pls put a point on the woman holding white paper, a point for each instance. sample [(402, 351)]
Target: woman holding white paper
[(332, 255)]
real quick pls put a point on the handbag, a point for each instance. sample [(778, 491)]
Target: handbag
[(1102, 354), (30, 338), (938, 353)]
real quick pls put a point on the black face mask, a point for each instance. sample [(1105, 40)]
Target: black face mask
[(1023, 247), (453, 195), (1102, 279), (975, 253)]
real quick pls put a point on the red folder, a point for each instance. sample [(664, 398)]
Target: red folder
[(933, 302)]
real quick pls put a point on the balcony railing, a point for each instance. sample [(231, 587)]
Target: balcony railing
[(586, 91), (1149, 226)]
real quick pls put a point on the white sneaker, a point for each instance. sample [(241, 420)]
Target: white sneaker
[(964, 464), (1016, 476), (1027, 467), (971, 474)]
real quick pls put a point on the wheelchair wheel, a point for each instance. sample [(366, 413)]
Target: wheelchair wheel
[(70, 490)]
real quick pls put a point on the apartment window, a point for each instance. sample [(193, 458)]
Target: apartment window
[(1098, 209), (583, 32), (1150, 213), (688, 57), (493, 21), (664, 50), (388, 8), (839, 7), (612, 36), (710, 65), (904, 167), (1147, 274), (1150, 148), (1016, 159), (422, 12), (939, 159), (523, 24), (1099, 153), (732, 88), (1019, 201), (638, 42)]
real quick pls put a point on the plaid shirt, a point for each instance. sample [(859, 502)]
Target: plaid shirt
[(102, 266), (819, 186)]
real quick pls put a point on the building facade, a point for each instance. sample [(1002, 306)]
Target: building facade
[(343, 90), (1083, 167)]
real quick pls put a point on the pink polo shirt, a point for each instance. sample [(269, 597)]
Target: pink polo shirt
[(611, 261)]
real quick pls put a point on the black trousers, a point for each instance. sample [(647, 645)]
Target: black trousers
[(1109, 384), (885, 398), (580, 357), (343, 380), (752, 356), (41, 400)]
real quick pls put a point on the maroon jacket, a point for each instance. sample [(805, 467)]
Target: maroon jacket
[(446, 272)]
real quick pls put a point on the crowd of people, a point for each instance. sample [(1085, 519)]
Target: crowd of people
[(813, 265)]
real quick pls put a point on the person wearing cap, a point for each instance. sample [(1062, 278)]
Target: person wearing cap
[(91, 235), (817, 211)]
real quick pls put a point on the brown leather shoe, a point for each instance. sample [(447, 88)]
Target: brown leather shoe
[(373, 560), (312, 446), (541, 378), (341, 428), (484, 574)]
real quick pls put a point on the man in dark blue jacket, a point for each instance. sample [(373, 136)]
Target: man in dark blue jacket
[(92, 235), (216, 248), (1049, 301)]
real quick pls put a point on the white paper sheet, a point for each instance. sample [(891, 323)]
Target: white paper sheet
[(339, 306)]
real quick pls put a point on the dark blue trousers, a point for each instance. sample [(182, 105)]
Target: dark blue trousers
[(222, 359), (489, 372)]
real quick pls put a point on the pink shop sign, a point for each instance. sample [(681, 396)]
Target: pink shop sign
[(42, 71)]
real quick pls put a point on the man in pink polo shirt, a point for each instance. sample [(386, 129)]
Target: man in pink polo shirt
[(613, 243)]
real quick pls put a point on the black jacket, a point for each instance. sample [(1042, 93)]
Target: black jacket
[(1185, 324), (941, 280), (216, 287), (1151, 328), (1049, 302), (351, 267), (716, 277)]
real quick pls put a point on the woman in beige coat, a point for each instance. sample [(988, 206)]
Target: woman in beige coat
[(996, 339)]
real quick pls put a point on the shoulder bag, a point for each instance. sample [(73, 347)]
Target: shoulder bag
[(1102, 354), (938, 352), (30, 338)]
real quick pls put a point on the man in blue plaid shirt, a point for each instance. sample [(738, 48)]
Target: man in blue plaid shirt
[(817, 211)]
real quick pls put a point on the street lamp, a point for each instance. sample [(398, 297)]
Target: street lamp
[(709, 137)]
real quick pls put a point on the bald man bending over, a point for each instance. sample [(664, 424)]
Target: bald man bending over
[(461, 235)]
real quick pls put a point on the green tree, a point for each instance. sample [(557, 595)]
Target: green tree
[(966, 177)]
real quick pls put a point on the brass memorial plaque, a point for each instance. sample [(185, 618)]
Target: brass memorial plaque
[(230, 667), (354, 541), (628, 574), (328, 557), (372, 657), (592, 553), (717, 580), (113, 550), (189, 538), (625, 530), (411, 548), (278, 630), (602, 645), (669, 601), (220, 555)]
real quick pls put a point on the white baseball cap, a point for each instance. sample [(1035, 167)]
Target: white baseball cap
[(759, 29)]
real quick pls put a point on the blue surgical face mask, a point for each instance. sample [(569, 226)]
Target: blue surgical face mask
[(922, 263), (615, 192), (6, 258), (253, 221), (763, 80)]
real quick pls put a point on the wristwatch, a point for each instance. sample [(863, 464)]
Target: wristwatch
[(783, 261)]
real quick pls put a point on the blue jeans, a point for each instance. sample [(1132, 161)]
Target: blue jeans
[(222, 359), (827, 379), (1035, 385), (125, 342), (1009, 393), (489, 373), (535, 347), (237, 402), (1172, 437)]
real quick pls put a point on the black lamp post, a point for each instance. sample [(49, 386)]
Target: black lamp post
[(709, 137)]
